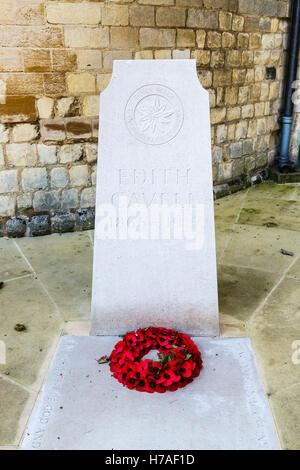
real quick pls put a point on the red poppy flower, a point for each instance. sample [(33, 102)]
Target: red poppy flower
[(160, 389), (149, 384), (156, 366), (131, 381), (168, 377), (145, 363), (173, 387), (186, 369), (165, 341), (131, 339)]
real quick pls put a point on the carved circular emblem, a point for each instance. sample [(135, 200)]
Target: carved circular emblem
[(154, 114)]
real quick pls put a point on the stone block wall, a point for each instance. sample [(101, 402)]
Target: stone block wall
[(56, 57)]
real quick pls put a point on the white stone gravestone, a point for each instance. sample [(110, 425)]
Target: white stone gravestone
[(154, 154), (155, 164)]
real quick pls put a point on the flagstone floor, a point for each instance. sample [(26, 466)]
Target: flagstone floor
[(47, 287)]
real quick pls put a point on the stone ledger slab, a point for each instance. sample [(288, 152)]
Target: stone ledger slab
[(82, 406), (154, 149)]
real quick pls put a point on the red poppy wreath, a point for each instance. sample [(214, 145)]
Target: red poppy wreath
[(179, 360)]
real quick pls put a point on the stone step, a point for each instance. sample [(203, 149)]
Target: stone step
[(82, 406)]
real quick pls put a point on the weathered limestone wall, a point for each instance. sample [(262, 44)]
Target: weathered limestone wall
[(56, 56)]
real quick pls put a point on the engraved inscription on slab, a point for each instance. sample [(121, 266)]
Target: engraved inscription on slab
[(154, 114)]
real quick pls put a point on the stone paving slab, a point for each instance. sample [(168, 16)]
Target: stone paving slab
[(12, 264), (272, 213), (83, 407), (242, 289), (260, 248), (13, 399), (63, 264), (286, 411), (227, 208), (273, 331), (271, 190), (24, 301), (295, 270)]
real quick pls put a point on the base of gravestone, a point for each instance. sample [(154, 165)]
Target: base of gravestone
[(83, 407)]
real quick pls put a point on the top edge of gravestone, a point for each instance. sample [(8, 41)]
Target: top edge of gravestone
[(121, 68)]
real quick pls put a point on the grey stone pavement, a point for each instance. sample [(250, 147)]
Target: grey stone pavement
[(47, 287)]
